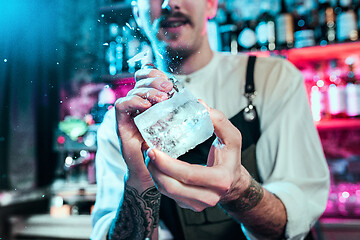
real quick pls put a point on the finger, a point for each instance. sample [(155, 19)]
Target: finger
[(215, 177), (160, 83), (127, 106), (144, 147), (148, 73), (148, 66), (151, 94), (211, 157), (187, 196), (224, 129)]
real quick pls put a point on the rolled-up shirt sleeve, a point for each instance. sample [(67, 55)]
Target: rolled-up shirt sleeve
[(111, 172), (290, 158)]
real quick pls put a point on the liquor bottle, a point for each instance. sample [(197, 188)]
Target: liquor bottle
[(352, 91), (336, 92), (227, 31), (326, 30), (304, 35), (265, 29), (247, 36), (111, 57), (357, 12), (284, 28), (120, 60), (113, 51), (346, 22), (318, 92)]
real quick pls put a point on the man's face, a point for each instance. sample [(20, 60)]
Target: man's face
[(176, 25)]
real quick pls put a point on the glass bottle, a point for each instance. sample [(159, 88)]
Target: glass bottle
[(304, 35), (284, 28), (247, 36), (326, 33), (352, 90), (336, 92), (346, 22), (228, 32), (265, 29)]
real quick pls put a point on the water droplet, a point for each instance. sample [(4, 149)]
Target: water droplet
[(106, 44), (57, 63), (61, 101), (102, 15), (43, 195), (98, 20), (160, 55), (5, 60)]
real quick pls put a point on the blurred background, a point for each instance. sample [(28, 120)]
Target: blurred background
[(64, 63)]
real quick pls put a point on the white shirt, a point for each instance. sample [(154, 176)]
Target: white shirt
[(290, 159)]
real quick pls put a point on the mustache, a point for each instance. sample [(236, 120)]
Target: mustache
[(167, 15)]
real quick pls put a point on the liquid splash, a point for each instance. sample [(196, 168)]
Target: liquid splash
[(138, 57)]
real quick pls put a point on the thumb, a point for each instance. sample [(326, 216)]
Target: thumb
[(227, 133)]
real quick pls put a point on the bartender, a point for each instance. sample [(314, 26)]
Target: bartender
[(263, 175)]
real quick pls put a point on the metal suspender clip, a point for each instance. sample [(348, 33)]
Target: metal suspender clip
[(249, 111)]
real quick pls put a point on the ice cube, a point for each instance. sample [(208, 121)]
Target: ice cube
[(176, 125)]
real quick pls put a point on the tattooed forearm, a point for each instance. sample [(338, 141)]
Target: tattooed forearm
[(267, 220), (247, 200), (138, 216)]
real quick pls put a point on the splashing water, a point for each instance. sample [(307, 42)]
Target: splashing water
[(161, 56), (128, 25), (138, 57)]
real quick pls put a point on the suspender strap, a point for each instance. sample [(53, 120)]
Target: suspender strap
[(249, 85)]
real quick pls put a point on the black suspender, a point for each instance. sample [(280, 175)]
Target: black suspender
[(250, 112), (249, 85)]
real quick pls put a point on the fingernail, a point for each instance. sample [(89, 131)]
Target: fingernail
[(165, 84), (146, 103), (148, 66), (150, 153), (162, 96)]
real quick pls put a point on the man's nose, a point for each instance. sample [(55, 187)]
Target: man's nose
[(170, 5)]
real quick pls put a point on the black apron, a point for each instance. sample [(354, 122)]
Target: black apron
[(213, 223)]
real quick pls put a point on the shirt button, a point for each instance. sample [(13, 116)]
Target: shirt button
[(187, 80)]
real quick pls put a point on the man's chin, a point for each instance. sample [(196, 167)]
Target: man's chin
[(178, 51)]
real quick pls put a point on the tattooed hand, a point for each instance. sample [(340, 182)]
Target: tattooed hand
[(138, 216)]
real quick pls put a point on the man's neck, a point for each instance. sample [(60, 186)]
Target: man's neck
[(183, 65)]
